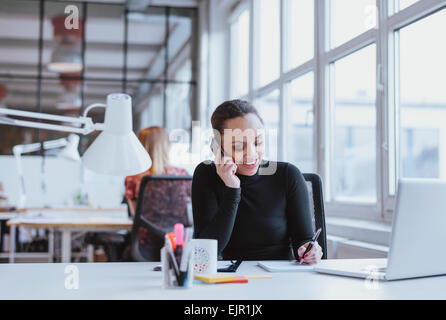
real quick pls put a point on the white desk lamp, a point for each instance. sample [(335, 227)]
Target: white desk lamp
[(69, 152), (116, 151)]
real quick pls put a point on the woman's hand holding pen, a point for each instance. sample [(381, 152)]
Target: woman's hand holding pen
[(226, 169), (313, 256)]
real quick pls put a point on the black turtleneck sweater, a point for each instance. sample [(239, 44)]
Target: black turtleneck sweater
[(267, 218)]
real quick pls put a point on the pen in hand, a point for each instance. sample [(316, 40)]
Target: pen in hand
[(310, 245)]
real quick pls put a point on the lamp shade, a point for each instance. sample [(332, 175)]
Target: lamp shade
[(70, 151), (117, 150)]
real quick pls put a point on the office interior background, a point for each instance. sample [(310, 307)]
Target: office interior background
[(353, 90)]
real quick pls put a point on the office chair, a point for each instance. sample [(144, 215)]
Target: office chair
[(112, 242), (163, 200), (314, 183)]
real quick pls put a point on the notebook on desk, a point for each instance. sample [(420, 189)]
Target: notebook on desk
[(284, 266)]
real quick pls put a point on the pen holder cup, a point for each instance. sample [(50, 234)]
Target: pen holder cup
[(204, 255), (170, 278)]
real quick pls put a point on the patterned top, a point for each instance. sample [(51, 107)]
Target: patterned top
[(132, 183)]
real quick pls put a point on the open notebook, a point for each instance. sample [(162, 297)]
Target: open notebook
[(284, 266)]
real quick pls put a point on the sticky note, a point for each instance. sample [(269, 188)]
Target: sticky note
[(220, 278)]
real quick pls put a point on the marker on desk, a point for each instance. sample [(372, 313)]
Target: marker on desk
[(316, 235), (178, 230), (173, 261), (173, 242)]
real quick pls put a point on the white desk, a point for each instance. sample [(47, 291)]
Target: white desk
[(66, 222), (4, 217), (138, 281)]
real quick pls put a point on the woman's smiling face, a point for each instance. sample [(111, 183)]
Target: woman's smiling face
[(244, 139)]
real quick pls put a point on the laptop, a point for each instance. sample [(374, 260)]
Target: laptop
[(418, 240)]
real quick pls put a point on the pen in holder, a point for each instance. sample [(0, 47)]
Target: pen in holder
[(177, 270)]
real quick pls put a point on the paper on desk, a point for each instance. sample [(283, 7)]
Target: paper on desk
[(284, 266), (223, 263)]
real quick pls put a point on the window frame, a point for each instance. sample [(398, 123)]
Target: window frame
[(392, 23), (383, 35), (233, 18)]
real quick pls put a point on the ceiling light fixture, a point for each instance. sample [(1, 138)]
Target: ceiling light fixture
[(67, 53)]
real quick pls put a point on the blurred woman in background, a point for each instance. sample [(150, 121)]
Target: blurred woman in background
[(157, 143)]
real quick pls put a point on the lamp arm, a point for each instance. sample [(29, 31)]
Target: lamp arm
[(87, 123), (22, 190), (20, 149), (94, 105), (97, 126), (82, 125), (33, 147), (44, 116)]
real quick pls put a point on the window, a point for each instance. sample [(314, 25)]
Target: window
[(178, 97), (354, 117), (403, 4), (267, 42), (359, 105), (299, 143), (422, 99), (350, 18), (240, 55), (120, 50), (268, 107), (299, 32), (153, 114)]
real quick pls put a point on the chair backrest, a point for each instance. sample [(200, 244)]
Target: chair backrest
[(314, 183), (163, 200)]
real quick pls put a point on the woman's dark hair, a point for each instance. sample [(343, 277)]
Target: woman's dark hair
[(230, 110)]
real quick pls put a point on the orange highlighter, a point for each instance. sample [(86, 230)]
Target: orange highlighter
[(171, 237)]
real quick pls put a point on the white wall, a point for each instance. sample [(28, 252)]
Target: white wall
[(62, 180)]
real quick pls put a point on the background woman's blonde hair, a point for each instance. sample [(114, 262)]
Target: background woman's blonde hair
[(156, 141)]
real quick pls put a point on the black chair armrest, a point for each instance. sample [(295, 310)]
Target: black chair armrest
[(159, 232), (141, 221)]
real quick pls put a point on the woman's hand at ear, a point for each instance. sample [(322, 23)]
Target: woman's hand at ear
[(313, 256), (226, 169)]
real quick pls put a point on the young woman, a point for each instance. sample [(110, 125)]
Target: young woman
[(253, 216), (156, 141)]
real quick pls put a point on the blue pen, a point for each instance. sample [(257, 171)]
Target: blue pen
[(185, 256)]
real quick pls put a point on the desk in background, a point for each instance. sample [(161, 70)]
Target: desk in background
[(66, 221), (4, 217), (136, 280)]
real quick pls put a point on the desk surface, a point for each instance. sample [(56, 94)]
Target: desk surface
[(137, 281), (71, 222), (73, 218), (6, 215)]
